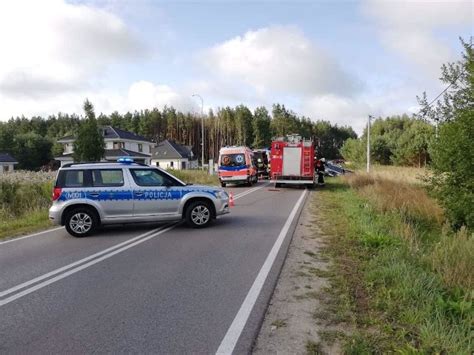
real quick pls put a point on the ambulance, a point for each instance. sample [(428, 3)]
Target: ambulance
[(237, 166)]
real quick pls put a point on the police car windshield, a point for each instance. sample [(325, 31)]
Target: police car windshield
[(232, 160)]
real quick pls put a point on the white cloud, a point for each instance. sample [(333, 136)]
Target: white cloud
[(408, 28), (144, 94), (420, 13), (354, 111), (51, 47), (339, 110), (139, 95), (278, 59)]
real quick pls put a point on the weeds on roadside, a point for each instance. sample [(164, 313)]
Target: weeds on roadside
[(410, 284), (313, 348), (279, 323), (453, 258), (24, 201)]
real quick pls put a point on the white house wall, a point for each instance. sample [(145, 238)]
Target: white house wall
[(4, 167), (68, 148), (109, 144), (166, 163), (193, 164)]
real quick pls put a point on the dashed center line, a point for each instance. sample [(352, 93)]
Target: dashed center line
[(72, 268)]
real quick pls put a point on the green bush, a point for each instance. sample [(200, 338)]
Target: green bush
[(453, 164), (451, 152)]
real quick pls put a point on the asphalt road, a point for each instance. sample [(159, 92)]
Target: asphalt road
[(148, 288)]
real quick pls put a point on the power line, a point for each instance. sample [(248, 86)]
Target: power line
[(446, 89), (441, 93)]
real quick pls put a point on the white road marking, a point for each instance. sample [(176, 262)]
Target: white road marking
[(245, 193), (80, 268), (109, 252), (235, 330), (66, 267), (31, 235), (242, 194)]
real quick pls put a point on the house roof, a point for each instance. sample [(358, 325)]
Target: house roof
[(112, 153), (169, 149), (124, 152), (110, 132), (66, 139), (7, 158)]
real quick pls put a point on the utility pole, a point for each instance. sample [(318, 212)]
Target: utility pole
[(202, 129), (368, 144)]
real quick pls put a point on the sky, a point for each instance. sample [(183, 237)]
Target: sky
[(334, 60)]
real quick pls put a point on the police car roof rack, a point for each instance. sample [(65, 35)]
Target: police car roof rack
[(68, 165)]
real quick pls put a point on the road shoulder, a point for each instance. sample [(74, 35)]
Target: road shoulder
[(303, 317)]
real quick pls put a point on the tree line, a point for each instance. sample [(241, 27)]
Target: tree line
[(397, 140), (33, 141)]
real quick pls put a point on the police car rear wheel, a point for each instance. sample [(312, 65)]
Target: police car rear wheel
[(81, 222), (198, 214)]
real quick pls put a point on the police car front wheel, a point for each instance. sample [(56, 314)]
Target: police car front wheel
[(198, 214), (81, 222)]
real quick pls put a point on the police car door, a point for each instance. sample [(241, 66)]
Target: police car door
[(155, 194), (111, 193)]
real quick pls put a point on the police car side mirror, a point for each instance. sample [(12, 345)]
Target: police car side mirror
[(168, 184)]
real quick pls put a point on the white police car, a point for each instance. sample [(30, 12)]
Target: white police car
[(87, 195)]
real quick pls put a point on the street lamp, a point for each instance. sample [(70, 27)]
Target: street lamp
[(202, 128), (368, 144)]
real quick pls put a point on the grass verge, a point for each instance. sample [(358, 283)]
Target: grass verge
[(408, 279), (31, 222)]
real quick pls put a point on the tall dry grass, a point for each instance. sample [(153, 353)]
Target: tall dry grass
[(397, 174), (22, 192), (453, 258), (25, 197), (420, 218), (397, 195)]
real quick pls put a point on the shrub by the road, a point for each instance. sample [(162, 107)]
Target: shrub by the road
[(453, 163), (451, 151)]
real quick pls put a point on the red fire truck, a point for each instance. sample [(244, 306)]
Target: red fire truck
[(292, 160)]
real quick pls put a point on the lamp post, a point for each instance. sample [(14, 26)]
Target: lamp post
[(202, 128), (368, 144)]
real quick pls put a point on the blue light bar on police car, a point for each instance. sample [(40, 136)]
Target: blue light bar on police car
[(125, 160)]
